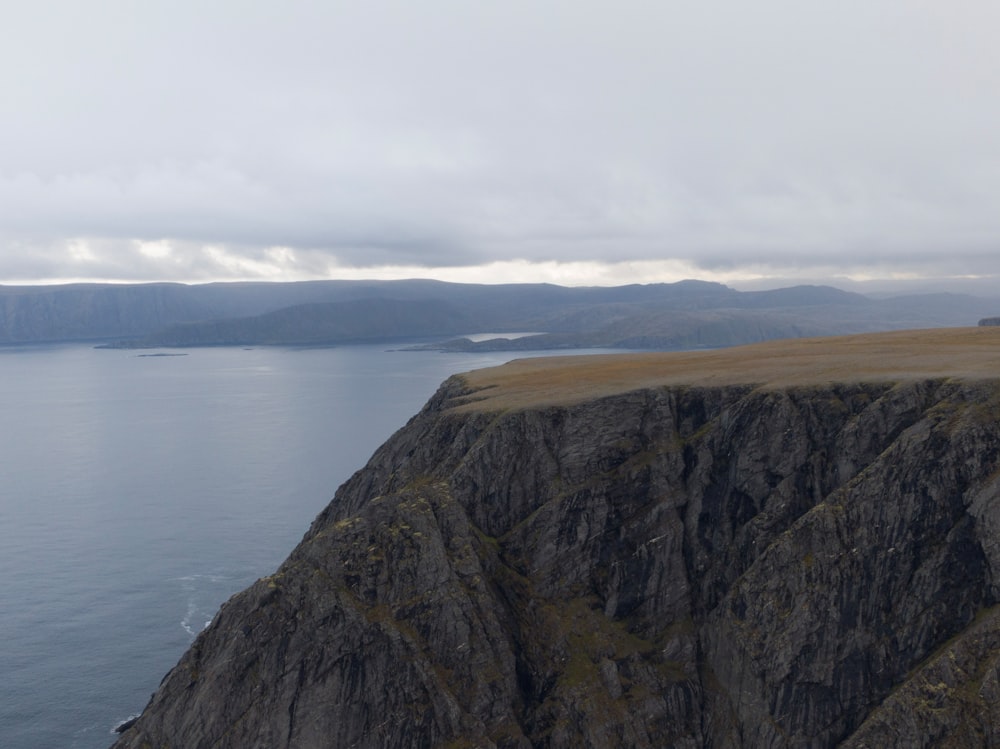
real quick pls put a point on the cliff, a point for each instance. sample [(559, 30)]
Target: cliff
[(785, 545)]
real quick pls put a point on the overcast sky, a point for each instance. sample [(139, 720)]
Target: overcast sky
[(573, 142)]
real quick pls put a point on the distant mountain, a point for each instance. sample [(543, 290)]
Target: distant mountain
[(323, 322), (656, 316)]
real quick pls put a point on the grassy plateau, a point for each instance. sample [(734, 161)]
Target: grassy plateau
[(962, 353)]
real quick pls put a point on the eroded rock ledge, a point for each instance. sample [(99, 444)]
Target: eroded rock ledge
[(681, 556)]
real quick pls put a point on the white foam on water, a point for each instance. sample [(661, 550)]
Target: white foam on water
[(199, 577), (114, 729), (201, 587), (186, 621)]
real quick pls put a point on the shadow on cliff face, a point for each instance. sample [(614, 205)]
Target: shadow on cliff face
[(681, 566)]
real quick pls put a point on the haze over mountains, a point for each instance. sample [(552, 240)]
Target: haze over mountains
[(656, 316)]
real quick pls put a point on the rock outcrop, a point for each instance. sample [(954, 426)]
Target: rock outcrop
[(787, 545)]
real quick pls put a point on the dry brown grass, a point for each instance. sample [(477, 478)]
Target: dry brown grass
[(965, 353)]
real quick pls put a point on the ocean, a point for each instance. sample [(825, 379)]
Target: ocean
[(138, 492)]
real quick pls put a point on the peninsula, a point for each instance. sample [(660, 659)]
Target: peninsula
[(790, 544)]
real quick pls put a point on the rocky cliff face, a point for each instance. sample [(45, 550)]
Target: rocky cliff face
[(804, 565)]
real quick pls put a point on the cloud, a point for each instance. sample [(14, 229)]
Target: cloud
[(189, 141)]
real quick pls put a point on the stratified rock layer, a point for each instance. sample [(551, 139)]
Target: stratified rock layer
[(746, 564)]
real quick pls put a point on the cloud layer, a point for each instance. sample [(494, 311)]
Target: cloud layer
[(183, 141)]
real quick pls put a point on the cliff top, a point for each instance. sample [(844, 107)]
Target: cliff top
[(966, 353)]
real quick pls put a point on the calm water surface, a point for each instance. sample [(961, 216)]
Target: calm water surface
[(139, 492)]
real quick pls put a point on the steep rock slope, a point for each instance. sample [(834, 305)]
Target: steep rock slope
[(783, 545)]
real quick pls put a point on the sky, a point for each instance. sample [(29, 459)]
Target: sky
[(577, 142)]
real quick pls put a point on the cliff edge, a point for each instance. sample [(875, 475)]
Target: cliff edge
[(784, 545)]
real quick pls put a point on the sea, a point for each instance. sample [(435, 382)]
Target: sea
[(141, 489)]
